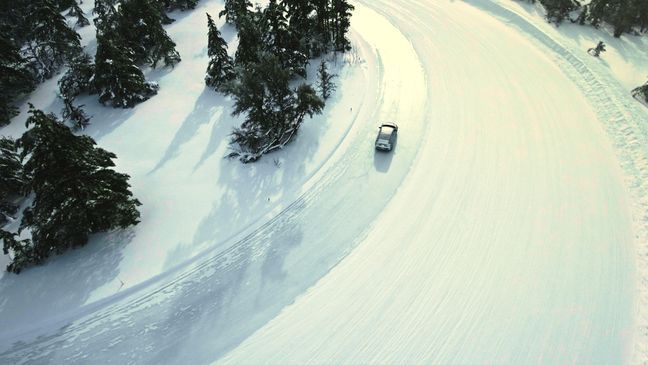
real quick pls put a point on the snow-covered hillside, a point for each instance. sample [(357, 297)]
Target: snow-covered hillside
[(508, 226)]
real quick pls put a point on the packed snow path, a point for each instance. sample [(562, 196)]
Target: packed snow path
[(498, 231)]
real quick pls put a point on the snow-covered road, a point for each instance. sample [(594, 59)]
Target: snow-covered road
[(498, 232), (516, 247)]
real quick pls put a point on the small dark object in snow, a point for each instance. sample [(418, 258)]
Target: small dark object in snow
[(600, 47)]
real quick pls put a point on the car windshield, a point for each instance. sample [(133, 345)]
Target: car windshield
[(385, 133)]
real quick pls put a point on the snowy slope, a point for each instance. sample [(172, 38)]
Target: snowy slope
[(193, 199), (499, 231)]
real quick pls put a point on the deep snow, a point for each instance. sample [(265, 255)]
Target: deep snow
[(502, 229)]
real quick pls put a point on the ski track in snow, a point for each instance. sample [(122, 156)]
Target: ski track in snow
[(486, 267)]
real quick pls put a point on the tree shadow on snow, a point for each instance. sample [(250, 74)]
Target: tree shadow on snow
[(63, 284), (208, 105), (110, 118), (242, 288), (212, 310)]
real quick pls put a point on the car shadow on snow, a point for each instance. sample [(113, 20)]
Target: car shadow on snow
[(383, 160)]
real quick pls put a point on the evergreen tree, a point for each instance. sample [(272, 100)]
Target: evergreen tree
[(76, 191), (15, 80), (250, 38), (235, 9), (23, 252), (12, 180), (15, 19), (140, 27), (180, 4), (78, 78), (274, 111), (220, 71), (77, 12), (301, 25), (160, 6), (340, 23), (74, 114), (106, 12), (279, 41), (321, 38), (299, 16), (641, 92), (118, 80), (64, 4), (623, 15), (558, 10), (325, 81), (50, 41)]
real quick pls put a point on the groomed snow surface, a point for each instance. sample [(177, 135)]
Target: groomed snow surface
[(507, 227)]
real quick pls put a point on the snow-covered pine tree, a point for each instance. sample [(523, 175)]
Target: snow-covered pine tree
[(77, 12), (171, 5), (13, 24), (235, 9), (106, 13), (558, 10), (340, 20), (78, 78), (50, 41), (23, 252), (12, 179), (74, 10), (141, 29), (76, 191), (299, 12), (274, 112), (160, 6), (117, 79), (623, 15), (321, 32), (74, 114), (250, 38), (300, 24), (279, 41), (64, 4), (15, 80), (220, 71), (325, 81)]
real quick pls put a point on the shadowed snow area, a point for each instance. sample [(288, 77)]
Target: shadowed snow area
[(502, 229)]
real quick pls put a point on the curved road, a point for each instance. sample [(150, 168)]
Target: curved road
[(498, 232)]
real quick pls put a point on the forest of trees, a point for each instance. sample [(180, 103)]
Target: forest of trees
[(59, 185), (67, 182), (275, 46), (625, 16), (36, 42)]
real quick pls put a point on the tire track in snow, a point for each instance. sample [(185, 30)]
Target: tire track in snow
[(505, 254)]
